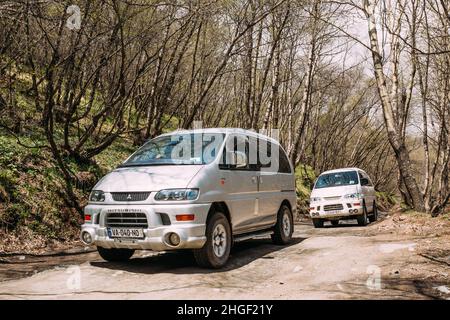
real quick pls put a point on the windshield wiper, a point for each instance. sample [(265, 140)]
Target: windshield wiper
[(156, 164), (125, 165)]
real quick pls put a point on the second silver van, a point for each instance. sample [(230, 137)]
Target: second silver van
[(343, 194)]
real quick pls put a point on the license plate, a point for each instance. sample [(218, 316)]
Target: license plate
[(334, 212), (130, 233)]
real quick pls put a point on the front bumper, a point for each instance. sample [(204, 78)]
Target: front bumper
[(320, 210), (191, 233)]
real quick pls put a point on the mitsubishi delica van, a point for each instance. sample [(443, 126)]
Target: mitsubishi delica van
[(199, 189), (343, 194)]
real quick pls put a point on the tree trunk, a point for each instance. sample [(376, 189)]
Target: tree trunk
[(394, 136)]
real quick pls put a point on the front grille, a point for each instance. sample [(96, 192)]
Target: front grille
[(130, 196), (332, 198), (332, 207), (127, 220)]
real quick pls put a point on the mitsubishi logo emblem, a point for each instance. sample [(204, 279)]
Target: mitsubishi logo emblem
[(129, 197)]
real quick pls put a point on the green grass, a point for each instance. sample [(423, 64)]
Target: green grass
[(31, 185), (304, 180)]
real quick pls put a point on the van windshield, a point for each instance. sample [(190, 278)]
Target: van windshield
[(337, 179), (177, 149)]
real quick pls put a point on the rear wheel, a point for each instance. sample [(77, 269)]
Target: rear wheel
[(318, 223), (216, 250), (284, 228), (374, 216), (334, 223), (362, 219), (115, 254)]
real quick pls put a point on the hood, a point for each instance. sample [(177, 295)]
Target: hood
[(334, 191), (152, 178)]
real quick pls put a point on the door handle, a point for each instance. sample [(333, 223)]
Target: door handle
[(255, 179), (260, 180)]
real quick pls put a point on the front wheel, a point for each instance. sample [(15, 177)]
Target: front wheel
[(216, 250), (318, 223), (114, 254), (374, 216), (362, 219), (282, 232)]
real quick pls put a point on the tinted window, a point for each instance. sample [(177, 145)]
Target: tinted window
[(265, 149), (285, 166), (236, 143), (362, 175), (264, 153), (337, 179)]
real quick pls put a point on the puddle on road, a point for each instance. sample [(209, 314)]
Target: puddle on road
[(391, 247), (17, 267)]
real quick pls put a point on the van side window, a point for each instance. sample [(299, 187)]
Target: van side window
[(370, 181), (366, 177), (360, 176), (283, 161), (264, 153), (237, 143), (285, 167)]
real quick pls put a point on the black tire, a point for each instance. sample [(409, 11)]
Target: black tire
[(362, 219), (334, 223), (374, 216), (282, 232), (114, 254), (207, 257), (318, 223)]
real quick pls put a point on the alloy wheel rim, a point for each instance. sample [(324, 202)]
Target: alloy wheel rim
[(219, 240), (286, 224)]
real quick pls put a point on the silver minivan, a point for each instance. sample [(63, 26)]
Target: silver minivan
[(193, 189)]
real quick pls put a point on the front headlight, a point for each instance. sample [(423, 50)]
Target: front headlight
[(177, 194), (97, 196), (353, 196), (315, 199)]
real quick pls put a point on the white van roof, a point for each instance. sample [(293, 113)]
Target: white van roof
[(342, 170), (224, 131)]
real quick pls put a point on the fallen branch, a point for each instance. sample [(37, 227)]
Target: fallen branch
[(434, 259)]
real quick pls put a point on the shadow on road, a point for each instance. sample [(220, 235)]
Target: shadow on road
[(353, 222), (183, 262)]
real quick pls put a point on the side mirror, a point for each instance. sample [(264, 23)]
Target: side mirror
[(238, 159), (364, 181)]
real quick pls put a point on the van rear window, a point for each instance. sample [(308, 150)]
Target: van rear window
[(337, 179)]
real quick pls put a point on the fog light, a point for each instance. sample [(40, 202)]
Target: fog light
[(174, 239), (86, 237)]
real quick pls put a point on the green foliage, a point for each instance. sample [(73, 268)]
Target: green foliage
[(31, 185), (13, 216), (386, 200), (304, 180), (115, 155), (7, 180)]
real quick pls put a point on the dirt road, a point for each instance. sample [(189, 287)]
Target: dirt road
[(345, 262)]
